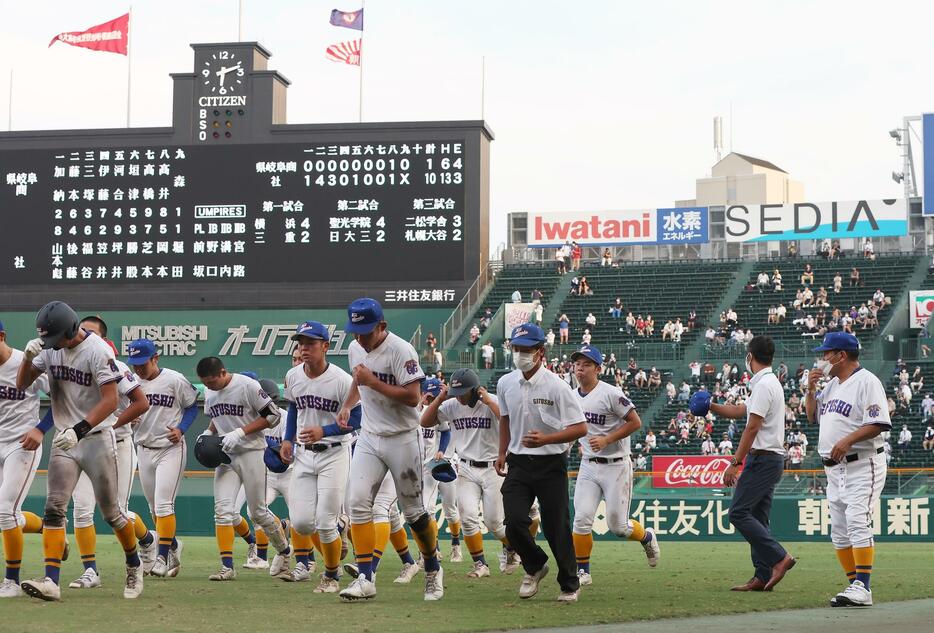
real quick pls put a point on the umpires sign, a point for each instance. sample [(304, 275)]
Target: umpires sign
[(816, 220)]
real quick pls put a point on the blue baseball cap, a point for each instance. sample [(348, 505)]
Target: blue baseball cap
[(250, 374), (140, 351), (432, 386), (527, 335), (843, 341), (363, 315), (590, 353), (312, 329)]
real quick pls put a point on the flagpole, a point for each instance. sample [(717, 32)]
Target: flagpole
[(482, 86), (360, 89), (129, 64), (240, 23), (9, 121)]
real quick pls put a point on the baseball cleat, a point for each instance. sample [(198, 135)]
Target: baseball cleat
[(279, 568), (42, 588), (434, 584), (160, 568), (224, 573), (359, 589), (568, 596), (327, 585), (584, 577), (351, 570), (253, 561), (147, 554), (652, 550), (10, 589), (530, 582), (299, 574), (134, 582), (175, 560), (480, 570), (456, 555), (509, 561), (856, 595), (312, 566), (406, 574), (88, 580)]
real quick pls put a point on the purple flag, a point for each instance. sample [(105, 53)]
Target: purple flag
[(348, 19)]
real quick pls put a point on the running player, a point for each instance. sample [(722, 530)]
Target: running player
[(437, 445)]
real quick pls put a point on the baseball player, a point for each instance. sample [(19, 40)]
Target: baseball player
[(20, 453), (473, 416), (606, 469), (852, 412), (240, 410), (131, 404), (386, 380), (315, 390), (437, 445), (160, 439), (83, 375)]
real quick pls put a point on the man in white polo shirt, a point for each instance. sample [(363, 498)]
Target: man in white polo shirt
[(540, 416), (761, 447)]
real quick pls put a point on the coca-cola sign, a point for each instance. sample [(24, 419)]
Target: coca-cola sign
[(689, 471)]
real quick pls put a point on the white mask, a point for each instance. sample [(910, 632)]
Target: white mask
[(823, 366), (524, 361)]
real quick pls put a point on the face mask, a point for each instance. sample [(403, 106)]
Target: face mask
[(748, 366), (524, 361), (824, 366)]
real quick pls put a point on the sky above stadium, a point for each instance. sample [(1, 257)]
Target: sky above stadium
[(597, 105)]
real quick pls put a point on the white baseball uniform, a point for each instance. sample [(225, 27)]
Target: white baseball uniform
[(19, 413), (319, 478), (606, 474), (162, 463), (389, 439), (475, 438), (277, 484), (231, 408), (855, 484), (431, 443)]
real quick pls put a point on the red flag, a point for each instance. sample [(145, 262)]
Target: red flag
[(346, 52), (111, 37)]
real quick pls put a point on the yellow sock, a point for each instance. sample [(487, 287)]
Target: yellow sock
[(455, 527), (474, 544), (863, 556), (165, 528), (583, 546), (242, 528), (262, 542), (848, 562), (505, 542), (13, 547), (332, 554), (53, 546), (127, 536), (400, 541), (382, 537), (364, 541), (638, 532), (428, 540), (301, 543), (33, 523), (316, 541), (225, 539), (139, 526), (87, 543)]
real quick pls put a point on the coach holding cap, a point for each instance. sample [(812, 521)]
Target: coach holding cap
[(764, 454), (539, 417)]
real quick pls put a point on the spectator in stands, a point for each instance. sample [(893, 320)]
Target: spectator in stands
[(862, 316), (878, 298), (576, 252), (927, 407), (692, 319), (684, 435), (439, 360), (539, 311), (673, 424), (855, 278), (537, 295), (747, 336), (630, 323), (762, 281), (825, 248), (655, 379), (777, 280), (821, 298), (620, 378), (792, 249), (641, 380), (488, 353), (837, 283), (917, 385), (559, 260), (667, 329), (564, 329), (632, 367), (507, 355), (585, 289), (474, 334), (710, 335), (575, 285), (904, 438), (731, 318), (650, 441), (616, 310), (677, 330), (835, 250), (430, 341), (795, 457), (695, 367), (684, 394), (725, 374), (928, 442), (709, 371), (649, 325), (772, 315), (640, 326), (640, 462), (591, 320), (807, 297), (517, 296), (794, 403), (807, 277), (586, 337), (798, 303), (781, 311), (568, 250), (726, 446), (738, 338), (607, 258), (550, 339), (609, 366), (799, 375), (671, 391), (869, 251), (731, 430), (486, 319)]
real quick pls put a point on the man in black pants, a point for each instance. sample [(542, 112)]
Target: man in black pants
[(539, 417), (761, 448)]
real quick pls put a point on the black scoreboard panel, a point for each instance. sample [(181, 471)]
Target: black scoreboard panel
[(307, 212)]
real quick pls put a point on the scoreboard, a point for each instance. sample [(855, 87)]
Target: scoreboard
[(232, 207)]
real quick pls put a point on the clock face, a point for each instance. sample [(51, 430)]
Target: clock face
[(222, 73)]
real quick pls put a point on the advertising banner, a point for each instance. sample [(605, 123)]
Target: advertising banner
[(921, 304), (689, 471), (517, 314), (687, 225)]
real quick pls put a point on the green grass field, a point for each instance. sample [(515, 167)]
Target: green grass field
[(692, 579)]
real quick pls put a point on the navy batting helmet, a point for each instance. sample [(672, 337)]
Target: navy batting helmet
[(442, 470), (209, 453), (270, 387), (56, 321), (274, 460)]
